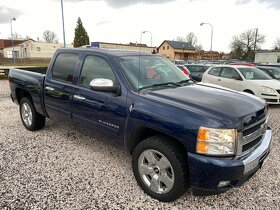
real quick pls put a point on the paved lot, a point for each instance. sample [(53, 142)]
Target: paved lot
[(59, 168)]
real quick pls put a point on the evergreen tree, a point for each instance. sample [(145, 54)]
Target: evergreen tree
[(81, 37)]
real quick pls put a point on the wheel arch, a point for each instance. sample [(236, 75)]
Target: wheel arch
[(143, 132)]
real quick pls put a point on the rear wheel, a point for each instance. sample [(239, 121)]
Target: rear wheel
[(31, 119), (160, 168)]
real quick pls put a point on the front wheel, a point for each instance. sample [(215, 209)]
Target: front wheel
[(160, 168), (31, 119)]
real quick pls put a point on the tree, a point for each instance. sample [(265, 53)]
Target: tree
[(246, 43), (81, 37), (50, 37), (276, 44), (15, 35), (191, 38)]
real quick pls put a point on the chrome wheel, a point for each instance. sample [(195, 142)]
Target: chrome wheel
[(156, 171), (26, 114)]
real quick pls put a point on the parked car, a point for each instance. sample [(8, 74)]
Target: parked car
[(245, 78), (274, 72), (197, 70), (185, 70), (241, 64), (180, 134)]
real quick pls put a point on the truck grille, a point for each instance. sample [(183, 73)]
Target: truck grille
[(251, 136)]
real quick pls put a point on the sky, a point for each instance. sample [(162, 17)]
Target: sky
[(122, 21)]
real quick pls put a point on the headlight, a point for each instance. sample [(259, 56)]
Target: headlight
[(267, 90), (212, 141)]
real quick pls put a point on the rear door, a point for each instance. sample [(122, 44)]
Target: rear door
[(59, 85)]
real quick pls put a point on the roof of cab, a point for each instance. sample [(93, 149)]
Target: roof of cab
[(112, 52)]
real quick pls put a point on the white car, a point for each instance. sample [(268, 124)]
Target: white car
[(245, 78)]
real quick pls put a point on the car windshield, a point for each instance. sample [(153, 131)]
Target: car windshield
[(197, 68), (150, 71), (253, 74), (275, 72)]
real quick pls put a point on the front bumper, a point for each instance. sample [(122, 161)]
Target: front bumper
[(206, 173), (271, 99)]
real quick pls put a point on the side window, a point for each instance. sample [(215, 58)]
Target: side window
[(95, 67), (215, 71), (64, 67), (229, 73)]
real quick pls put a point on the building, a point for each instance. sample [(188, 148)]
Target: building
[(268, 56), (33, 49), (209, 55), (5, 43), (130, 46), (176, 50)]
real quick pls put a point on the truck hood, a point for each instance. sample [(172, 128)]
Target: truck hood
[(228, 106), (275, 84)]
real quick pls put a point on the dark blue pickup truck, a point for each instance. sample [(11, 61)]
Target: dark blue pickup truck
[(180, 133)]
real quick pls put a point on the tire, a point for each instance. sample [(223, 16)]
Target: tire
[(249, 91), (160, 168), (31, 119)]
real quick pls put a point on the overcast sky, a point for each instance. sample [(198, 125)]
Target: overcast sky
[(121, 21)]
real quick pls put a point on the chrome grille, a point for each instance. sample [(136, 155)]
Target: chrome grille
[(251, 136)]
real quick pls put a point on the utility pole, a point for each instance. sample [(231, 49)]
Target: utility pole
[(255, 45)]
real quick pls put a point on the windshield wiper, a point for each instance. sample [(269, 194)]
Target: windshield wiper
[(189, 81), (161, 84)]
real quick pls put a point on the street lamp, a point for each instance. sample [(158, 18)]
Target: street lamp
[(62, 14), (13, 53), (201, 24), (151, 36)]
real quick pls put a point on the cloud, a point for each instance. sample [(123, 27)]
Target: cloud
[(271, 3), (103, 23), (6, 14), (125, 3)]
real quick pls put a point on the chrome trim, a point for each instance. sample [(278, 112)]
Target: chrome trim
[(78, 97), (49, 88), (255, 158), (244, 140)]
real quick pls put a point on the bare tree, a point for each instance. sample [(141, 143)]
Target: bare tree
[(180, 39), (276, 44), (245, 44), (191, 38), (50, 37), (15, 35)]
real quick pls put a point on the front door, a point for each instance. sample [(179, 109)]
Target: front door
[(103, 110)]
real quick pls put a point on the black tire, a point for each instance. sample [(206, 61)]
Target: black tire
[(249, 91), (176, 157), (36, 121)]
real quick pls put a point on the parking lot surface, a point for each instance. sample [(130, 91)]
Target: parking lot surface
[(60, 167)]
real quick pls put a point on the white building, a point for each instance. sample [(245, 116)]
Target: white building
[(33, 49), (268, 57)]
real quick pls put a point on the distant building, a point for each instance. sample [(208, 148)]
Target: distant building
[(176, 50), (130, 46), (5, 43), (268, 56), (33, 49), (209, 55)]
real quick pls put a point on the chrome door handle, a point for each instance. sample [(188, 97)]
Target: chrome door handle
[(49, 88), (78, 97)]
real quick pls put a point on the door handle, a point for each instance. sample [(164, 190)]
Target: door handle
[(219, 79), (49, 88), (78, 97)]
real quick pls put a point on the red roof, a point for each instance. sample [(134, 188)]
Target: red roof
[(8, 42)]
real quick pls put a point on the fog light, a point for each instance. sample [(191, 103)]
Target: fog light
[(223, 183)]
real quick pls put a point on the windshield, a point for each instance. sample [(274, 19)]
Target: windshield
[(253, 74), (146, 71), (275, 72)]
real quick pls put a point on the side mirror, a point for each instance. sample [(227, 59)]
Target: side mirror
[(103, 85), (237, 78)]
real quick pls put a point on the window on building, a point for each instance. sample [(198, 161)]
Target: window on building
[(163, 47), (64, 67), (95, 67), (167, 47), (38, 49)]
